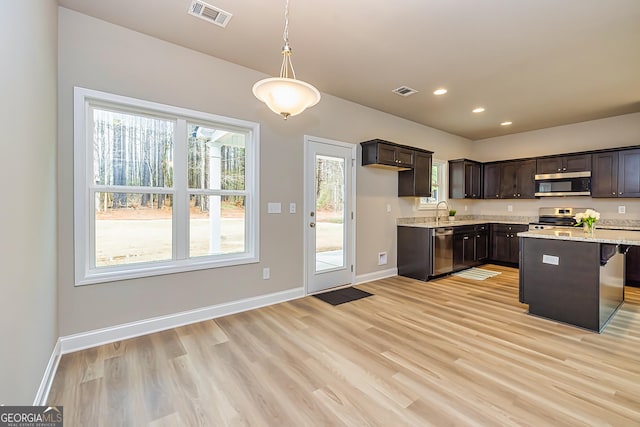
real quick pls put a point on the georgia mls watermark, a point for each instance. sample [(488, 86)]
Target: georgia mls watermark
[(31, 416)]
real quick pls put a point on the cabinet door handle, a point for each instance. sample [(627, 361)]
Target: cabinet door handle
[(465, 238), (619, 193), (312, 224), (614, 193)]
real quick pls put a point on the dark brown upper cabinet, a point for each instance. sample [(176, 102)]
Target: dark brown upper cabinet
[(491, 175), (381, 153), (616, 174), (517, 179), (629, 173), (413, 165), (465, 179), (416, 182), (559, 164), (604, 174)]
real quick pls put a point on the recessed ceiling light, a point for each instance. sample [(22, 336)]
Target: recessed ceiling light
[(478, 110), (506, 123), (439, 92)]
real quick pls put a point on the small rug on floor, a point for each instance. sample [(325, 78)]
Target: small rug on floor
[(476, 273), (340, 296)]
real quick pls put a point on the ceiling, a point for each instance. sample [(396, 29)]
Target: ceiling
[(536, 63)]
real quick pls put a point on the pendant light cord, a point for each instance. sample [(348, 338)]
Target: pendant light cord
[(285, 35), (286, 50)]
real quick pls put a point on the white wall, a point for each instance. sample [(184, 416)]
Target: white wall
[(28, 328), (620, 131), (98, 55)]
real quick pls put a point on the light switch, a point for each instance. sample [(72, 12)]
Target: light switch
[(274, 207), (622, 209)]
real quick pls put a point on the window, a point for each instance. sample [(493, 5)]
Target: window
[(438, 190), (160, 189)]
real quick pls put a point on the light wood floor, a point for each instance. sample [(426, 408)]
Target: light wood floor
[(447, 352)]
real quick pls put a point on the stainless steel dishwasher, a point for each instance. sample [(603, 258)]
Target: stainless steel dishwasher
[(442, 251)]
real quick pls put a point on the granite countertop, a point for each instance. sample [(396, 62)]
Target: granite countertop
[(429, 222), (447, 223), (619, 237)]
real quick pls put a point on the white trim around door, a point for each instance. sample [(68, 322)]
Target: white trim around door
[(319, 279)]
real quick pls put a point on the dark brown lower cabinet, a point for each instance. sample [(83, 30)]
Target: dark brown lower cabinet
[(632, 267), (470, 246), (504, 243)]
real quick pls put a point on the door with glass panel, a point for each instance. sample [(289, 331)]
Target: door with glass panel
[(328, 214)]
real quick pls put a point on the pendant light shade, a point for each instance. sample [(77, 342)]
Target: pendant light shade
[(285, 95)]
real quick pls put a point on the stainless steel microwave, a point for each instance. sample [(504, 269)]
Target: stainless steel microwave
[(563, 184)]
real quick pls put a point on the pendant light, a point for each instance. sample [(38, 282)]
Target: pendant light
[(285, 95)]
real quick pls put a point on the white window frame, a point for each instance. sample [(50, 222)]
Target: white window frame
[(84, 226), (442, 184)]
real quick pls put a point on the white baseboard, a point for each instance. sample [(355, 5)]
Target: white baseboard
[(47, 379), (108, 335), (376, 275)]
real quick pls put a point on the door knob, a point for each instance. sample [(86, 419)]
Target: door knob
[(312, 224)]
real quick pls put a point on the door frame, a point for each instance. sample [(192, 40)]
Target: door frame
[(351, 237)]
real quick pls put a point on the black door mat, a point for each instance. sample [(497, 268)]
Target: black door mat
[(340, 296)]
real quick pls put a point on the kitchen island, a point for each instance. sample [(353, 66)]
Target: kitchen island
[(572, 276)]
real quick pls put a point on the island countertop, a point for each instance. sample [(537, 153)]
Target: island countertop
[(618, 237)]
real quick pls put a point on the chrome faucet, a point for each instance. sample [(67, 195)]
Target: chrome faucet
[(438, 210)]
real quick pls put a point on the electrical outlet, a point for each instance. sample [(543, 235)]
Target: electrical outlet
[(622, 209), (266, 273), (382, 258), (509, 208), (466, 208), (388, 208), (292, 208)]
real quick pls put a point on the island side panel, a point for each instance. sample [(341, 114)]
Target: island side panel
[(567, 291), (414, 252), (611, 284)]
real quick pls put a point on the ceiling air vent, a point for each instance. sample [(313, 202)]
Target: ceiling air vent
[(404, 91), (209, 13)]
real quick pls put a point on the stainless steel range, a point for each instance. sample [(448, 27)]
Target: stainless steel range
[(555, 218)]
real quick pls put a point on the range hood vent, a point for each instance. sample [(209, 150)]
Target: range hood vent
[(209, 13)]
